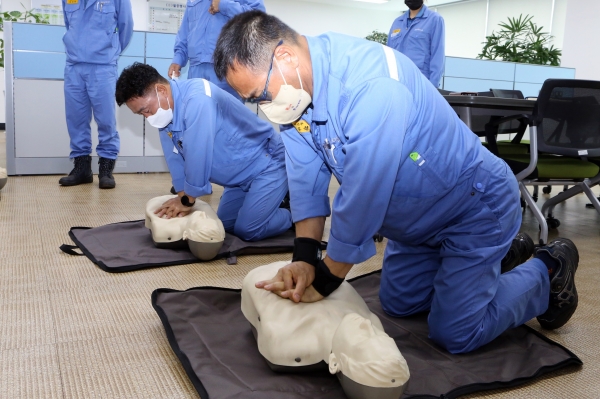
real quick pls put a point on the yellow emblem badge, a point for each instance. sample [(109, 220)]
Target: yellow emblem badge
[(72, 1), (170, 135), (302, 126)]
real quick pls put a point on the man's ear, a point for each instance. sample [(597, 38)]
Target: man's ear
[(162, 88), (288, 55)]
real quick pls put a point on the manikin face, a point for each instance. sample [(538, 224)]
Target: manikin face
[(367, 343), (366, 355)]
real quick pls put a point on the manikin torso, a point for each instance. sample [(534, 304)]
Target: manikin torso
[(339, 330)]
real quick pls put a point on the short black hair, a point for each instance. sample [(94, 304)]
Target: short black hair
[(250, 38), (135, 81)]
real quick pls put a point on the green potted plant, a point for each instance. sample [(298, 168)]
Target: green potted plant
[(521, 40), (18, 16), (378, 37)]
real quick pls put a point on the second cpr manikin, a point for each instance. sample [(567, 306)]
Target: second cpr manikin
[(339, 330), (201, 230)]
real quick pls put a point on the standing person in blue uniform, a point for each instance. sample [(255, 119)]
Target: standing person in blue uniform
[(408, 168), (198, 33), (208, 137), (97, 32), (419, 35)]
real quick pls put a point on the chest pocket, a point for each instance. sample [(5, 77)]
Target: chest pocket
[(71, 11), (104, 15), (193, 9), (420, 37)]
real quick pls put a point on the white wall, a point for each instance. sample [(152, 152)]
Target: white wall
[(582, 30), (312, 18), (306, 17), (466, 26)]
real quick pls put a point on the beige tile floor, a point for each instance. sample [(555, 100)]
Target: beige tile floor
[(70, 330)]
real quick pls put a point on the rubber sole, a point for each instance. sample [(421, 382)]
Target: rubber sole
[(85, 181)]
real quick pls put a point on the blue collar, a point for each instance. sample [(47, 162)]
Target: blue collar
[(176, 122), (320, 59)]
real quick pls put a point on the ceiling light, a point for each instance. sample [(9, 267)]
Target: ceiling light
[(374, 1)]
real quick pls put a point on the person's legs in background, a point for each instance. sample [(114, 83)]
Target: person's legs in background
[(78, 110), (101, 87)]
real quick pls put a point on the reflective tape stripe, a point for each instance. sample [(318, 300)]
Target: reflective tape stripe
[(207, 88), (391, 61)]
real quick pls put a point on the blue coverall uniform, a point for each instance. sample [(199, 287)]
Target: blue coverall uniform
[(421, 40), (97, 32), (214, 138), (410, 169), (198, 34)]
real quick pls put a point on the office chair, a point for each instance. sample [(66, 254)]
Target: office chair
[(565, 129)]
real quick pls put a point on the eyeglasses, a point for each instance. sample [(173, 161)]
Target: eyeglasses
[(265, 96)]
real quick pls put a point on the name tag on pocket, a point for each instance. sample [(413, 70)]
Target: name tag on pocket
[(302, 126)]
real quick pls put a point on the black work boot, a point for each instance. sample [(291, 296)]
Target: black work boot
[(105, 176), (285, 202), (563, 294), (81, 173), (521, 249)]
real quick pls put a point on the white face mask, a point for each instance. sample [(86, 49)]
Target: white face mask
[(162, 117), (289, 104)]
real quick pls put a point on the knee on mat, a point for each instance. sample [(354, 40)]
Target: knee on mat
[(248, 233), (447, 337)]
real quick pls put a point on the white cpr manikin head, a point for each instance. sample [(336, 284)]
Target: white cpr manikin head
[(202, 229), (366, 355), (340, 328)]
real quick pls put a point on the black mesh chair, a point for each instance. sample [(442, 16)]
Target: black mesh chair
[(565, 135)]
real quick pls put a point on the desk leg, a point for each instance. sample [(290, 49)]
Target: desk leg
[(464, 114)]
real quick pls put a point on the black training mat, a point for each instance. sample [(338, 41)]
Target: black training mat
[(212, 339), (128, 246)]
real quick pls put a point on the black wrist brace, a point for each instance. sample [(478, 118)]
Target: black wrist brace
[(307, 250), (325, 282)]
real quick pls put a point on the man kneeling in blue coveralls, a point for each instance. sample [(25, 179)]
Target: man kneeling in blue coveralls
[(208, 136), (409, 169)]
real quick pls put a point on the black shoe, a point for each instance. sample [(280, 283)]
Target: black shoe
[(105, 176), (521, 249), (285, 203), (563, 294), (81, 173)]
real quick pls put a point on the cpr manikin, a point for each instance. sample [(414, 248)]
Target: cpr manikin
[(201, 229), (339, 330)]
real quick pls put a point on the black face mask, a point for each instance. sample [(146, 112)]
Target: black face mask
[(413, 4)]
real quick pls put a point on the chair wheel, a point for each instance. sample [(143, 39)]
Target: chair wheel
[(552, 223), (547, 189), (378, 238)]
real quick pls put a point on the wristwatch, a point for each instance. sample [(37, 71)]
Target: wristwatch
[(185, 201)]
